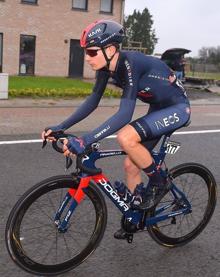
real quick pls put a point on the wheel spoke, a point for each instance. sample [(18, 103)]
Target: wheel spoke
[(36, 227), (67, 246), (48, 251), (195, 181), (39, 207), (35, 237)]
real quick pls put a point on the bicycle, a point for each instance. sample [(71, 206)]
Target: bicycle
[(44, 229)]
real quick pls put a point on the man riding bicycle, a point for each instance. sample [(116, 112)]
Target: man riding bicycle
[(141, 77)]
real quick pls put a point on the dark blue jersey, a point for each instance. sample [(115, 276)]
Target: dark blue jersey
[(140, 77), (148, 79)]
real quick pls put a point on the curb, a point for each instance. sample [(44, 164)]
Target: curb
[(62, 103)]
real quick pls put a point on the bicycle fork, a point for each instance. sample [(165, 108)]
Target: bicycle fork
[(73, 197)]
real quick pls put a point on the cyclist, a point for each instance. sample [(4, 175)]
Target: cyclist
[(141, 77)]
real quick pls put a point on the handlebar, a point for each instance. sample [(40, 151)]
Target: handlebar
[(60, 136)]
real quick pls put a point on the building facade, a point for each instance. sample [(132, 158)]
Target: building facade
[(41, 37)]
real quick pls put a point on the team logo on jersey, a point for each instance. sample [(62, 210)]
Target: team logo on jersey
[(102, 132), (145, 93), (130, 79), (141, 128), (167, 121), (154, 76)]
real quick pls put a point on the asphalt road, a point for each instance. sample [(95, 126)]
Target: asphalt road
[(23, 165)]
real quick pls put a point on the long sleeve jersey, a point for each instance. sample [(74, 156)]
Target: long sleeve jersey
[(141, 77)]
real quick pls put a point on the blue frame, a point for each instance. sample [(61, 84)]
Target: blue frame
[(134, 216)]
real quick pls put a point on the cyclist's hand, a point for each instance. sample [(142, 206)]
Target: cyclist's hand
[(73, 146), (45, 135), (48, 133)]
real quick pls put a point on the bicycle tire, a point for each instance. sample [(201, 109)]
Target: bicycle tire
[(162, 232), (31, 203)]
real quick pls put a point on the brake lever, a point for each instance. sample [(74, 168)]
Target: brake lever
[(44, 143), (69, 162)]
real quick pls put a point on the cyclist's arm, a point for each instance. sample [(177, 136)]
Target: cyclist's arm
[(125, 112), (113, 124), (90, 104)]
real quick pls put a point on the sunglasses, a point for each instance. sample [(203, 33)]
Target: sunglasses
[(92, 52)]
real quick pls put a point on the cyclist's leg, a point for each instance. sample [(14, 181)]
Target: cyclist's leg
[(130, 141), (142, 130), (153, 125), (133, 178), (132, 171), (132, 174)]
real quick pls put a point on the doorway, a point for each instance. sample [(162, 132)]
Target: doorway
[(27, 55), (76, 59)]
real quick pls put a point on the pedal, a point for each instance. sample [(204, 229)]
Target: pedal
[(129, 238)]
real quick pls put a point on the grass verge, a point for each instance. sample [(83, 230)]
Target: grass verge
[(52, 87), (203, 75)]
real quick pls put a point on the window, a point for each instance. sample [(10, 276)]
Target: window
[(1, 51), (106, 6), (29, 1), (80, 4), (27, 55)]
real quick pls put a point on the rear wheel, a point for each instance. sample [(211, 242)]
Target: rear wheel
[(32, 237), (199, 187)]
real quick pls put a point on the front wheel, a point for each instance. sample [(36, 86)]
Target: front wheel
[(199, 187), (32, 237)]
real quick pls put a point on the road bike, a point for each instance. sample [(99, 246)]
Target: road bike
[(58, 223)]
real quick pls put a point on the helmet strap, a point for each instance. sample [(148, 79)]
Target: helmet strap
[(108, 60)]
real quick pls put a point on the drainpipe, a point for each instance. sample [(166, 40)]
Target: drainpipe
[(122, 15), (122, 11)]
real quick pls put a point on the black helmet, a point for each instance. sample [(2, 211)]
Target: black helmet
[(102, 33)]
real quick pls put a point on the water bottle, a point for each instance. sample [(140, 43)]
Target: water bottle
[(123, 191), (138, 195)]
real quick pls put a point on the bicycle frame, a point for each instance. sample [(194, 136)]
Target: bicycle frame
[(133, 216)]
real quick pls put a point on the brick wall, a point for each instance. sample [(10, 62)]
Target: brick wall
[(54, 23)]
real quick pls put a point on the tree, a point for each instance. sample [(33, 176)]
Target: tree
[(210, 55), (138, 27)]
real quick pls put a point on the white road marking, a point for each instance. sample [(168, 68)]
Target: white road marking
[(20, 141), (110, 137)]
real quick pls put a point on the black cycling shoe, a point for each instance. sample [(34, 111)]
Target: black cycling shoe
[(126, 231), (153, 195), (120, 234)]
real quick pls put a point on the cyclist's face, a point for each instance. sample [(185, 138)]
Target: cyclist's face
[(95, 57)]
